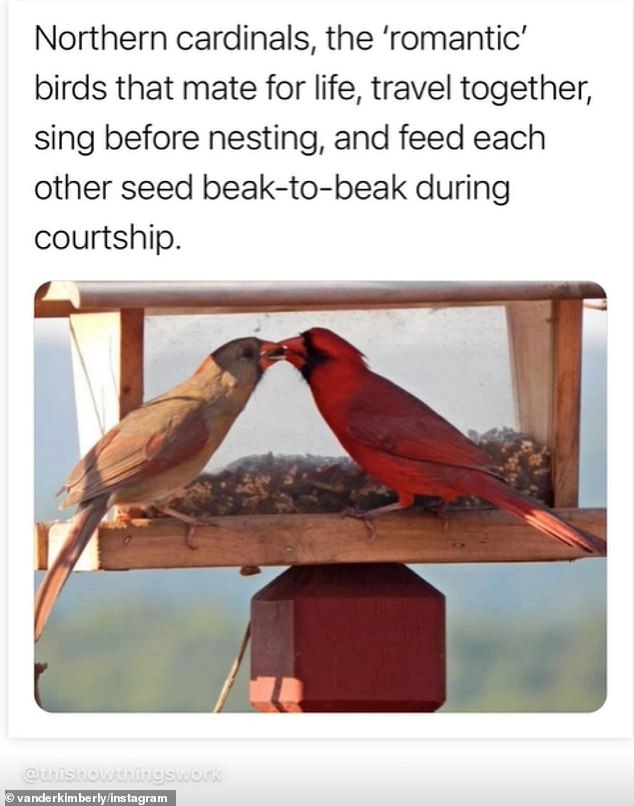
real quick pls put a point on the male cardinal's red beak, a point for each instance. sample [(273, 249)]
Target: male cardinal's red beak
[(294, 351), (270, 352)]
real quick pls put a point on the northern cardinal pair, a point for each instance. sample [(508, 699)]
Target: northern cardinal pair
[(162, 446)]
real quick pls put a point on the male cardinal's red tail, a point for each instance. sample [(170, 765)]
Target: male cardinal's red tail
[(537, 515), (84, 524)]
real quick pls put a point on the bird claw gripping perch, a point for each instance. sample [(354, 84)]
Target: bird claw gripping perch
[(366, 517)]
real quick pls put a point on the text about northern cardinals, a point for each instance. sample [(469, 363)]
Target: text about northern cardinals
[(137, 125)]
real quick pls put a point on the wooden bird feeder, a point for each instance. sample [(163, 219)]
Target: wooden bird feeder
[(350, 628)]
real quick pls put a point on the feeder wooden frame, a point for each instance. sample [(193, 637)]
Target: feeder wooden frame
[(544, 327)]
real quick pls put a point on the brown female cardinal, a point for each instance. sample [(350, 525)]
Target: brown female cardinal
[(155, 451), (402, 442)]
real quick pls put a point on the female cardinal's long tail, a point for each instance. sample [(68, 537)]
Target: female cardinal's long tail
[(505, 497), (84, 524)]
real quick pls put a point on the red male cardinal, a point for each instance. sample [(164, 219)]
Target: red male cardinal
[(155, 451), (402, 442)]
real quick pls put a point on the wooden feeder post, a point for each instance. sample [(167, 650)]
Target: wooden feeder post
[(359, 637)]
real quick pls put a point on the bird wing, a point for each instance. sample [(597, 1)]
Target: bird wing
[(150, 440), (392, 420)]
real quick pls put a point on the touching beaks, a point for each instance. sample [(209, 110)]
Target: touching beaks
[(295, 351), (270, 352), (292, 350)]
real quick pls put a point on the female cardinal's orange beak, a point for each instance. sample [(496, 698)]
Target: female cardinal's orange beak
[(295, 351), (270, 352)]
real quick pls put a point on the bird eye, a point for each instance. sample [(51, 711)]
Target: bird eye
[(248, 353)]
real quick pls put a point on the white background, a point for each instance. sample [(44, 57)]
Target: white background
[(570, 218)]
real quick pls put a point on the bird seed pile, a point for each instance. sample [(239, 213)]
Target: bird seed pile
[(271, 484)]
